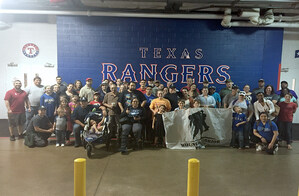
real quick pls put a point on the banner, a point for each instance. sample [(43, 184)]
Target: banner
[(198, 127)]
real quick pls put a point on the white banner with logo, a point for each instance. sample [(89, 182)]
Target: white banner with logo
[(198, 127)]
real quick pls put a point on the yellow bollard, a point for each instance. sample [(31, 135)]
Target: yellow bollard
[(193, 177), (80, 177)]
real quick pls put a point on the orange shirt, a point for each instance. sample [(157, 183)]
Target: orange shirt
[(157, 102)]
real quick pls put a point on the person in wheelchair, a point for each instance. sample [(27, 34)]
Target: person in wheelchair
[(131, 120)]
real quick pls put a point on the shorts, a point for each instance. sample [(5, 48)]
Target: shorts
[(16, 119)]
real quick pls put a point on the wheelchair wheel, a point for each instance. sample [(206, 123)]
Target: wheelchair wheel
[(84, 143), (88, 150)]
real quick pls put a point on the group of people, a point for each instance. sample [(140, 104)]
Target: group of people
[(62, 108)]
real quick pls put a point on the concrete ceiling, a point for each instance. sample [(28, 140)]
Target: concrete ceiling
[(280, 7)]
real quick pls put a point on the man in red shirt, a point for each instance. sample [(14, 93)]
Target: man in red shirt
[(15, 100), (142, 86)]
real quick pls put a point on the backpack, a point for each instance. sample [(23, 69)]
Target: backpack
[(29, 140)]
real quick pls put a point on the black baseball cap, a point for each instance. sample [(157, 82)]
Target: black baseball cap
[(261, 80), (42, 108), (83, 99), (235, 87), (172, 86)]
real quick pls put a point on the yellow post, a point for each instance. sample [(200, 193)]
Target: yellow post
[(80, 177), (193, 177)]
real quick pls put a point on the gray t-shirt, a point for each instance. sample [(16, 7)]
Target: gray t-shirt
[(60, 123), (229, 98), (246, 106), (34, 93)]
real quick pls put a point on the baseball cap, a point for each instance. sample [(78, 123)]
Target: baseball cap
[(228, 80), (157, 81), (88, 79), (213, 87), (259, 93), (235, 87), (242, 93), (261, 80), (172, 86), (42, 108), (83, 99), (205, 81), (283, 82)]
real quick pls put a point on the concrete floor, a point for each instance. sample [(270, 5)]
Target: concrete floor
[(223, 171)]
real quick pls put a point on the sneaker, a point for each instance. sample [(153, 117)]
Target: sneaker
[(57, 145), (290, 147), (124, 152), (21, 137), (62, 145), (12, 138), (275, 149), (247, 147), (258, 148), (68, 143)]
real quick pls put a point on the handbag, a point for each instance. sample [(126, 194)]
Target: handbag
[(277, 110), (124, 120)]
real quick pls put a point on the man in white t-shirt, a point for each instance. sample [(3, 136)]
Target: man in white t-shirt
[(34, 94)]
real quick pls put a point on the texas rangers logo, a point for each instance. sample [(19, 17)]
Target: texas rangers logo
[(30, 50)]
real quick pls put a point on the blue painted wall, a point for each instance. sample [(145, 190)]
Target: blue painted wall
[(86, 43)]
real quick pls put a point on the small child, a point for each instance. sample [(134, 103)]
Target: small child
[(196, 103), (239, 120), (181, 104), (94, 128), (60, 125), (74, 102), (96, 100), (64, 106), (158, 125)]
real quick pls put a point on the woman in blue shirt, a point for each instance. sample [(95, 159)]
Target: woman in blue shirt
[(265, 134)]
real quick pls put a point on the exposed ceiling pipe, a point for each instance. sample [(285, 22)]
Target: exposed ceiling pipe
[(114, 14), (287, 18), (227, 18), (273, 25), (267, 19), (141, 15)]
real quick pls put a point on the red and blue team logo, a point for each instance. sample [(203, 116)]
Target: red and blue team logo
[(30, 50)]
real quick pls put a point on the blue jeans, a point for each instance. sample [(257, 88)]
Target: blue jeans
[(76, 130), (247, 133), (240, 136), (126, 129), (60, 137), (29, 115)]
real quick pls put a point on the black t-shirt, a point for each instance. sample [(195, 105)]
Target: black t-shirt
[(80, 113), (173, 99), (38, 121), (136, 112), (126, 97)]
